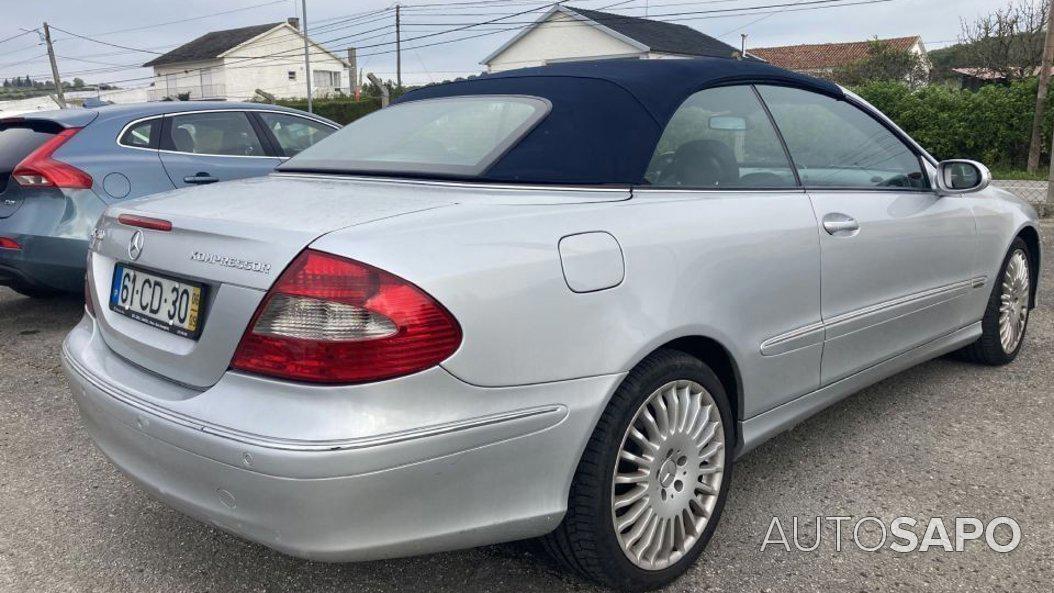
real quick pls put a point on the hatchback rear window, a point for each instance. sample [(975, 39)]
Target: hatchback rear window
[(452, 136), (17, 140)]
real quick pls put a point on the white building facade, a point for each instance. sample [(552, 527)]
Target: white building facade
[(572, 34), (235, 64)]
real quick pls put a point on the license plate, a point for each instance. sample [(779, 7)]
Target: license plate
[(163, 302)]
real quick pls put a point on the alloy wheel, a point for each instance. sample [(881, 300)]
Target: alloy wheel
[(668, 475), (1014, 300)]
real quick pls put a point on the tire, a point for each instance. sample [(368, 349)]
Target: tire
[(587, 541), (990, 348), (35, 292)]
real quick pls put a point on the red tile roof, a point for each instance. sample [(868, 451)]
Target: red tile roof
[(824, 55)]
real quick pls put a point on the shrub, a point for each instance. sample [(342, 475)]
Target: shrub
[(342, 110), (992, 125)]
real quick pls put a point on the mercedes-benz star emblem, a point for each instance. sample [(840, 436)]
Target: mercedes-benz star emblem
[(135, 246)]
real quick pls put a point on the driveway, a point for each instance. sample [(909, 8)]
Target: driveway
[(945, 439)]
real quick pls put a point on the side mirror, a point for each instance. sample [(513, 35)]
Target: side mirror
[(962, 177)]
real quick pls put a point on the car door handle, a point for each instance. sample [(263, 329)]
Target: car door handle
[(840, 225), (200, 179)]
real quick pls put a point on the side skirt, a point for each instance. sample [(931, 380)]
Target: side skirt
[(766, 425)]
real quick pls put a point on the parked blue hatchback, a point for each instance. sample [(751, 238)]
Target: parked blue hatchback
[(60, 169)]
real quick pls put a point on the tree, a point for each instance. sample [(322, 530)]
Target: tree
[(883, 63), (1009, 41), (78, 83)]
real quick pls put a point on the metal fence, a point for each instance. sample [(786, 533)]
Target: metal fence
[(1035, 192)]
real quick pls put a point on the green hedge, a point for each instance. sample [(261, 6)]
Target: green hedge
[(341, 110), (992, 125)]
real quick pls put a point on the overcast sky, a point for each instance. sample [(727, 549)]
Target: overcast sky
[(937, 21)]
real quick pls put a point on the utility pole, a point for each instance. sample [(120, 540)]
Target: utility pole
[(353, 68), (743, 45), (307, 54), (1041, 94), (54, 68), (399, 49)]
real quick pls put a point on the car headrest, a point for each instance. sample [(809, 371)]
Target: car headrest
[(183, 140), (704, 163)]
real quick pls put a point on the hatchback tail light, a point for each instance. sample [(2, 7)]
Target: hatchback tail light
[(8, 243), (329, 319), (40, 170)]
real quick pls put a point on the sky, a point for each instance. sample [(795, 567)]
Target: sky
[(135, 28)]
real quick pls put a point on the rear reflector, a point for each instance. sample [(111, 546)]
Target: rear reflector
[(334, 320), (6, 243), (40, 170), (145, 222)]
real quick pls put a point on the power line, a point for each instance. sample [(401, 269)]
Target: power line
[(189, 19), (684, 15), (825, 5), (6, 39), (86, 38)]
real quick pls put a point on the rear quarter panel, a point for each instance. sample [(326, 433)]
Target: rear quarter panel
[(119, 172), (735, 268)]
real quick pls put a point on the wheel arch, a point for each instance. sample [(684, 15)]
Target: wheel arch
[(1030, 236)]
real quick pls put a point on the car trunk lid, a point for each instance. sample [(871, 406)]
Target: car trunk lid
[(233, 238), (236, 238)]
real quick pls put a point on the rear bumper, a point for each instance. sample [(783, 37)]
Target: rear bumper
[(53, 227), (483, 479)]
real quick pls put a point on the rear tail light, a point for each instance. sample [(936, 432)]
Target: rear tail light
[(40, 170), (6, 243), (334, 320)]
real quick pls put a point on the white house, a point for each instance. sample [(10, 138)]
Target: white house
[(565, 33), (233, 64)]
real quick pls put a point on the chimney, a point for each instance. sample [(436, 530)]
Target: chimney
[(294, 22)]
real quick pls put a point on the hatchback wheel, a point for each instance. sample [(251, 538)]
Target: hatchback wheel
[(649, 489), (1006, 317)]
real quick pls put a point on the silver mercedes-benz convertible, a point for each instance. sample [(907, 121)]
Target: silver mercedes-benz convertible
[(553, 302)]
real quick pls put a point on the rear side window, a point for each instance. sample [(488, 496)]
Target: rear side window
[(293, 133), (224, 133), (19, 139), (720, 138), (458, 136), (143, 134), (835, 144)]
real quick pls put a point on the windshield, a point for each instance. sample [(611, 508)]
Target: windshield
[(453, 136)]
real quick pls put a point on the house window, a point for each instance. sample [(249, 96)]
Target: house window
[(326, 79), (292, 74)]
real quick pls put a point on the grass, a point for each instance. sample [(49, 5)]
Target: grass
[(1019, 174)]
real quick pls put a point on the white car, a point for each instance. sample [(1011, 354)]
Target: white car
[(552, 302)]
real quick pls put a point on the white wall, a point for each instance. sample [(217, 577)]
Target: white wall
[(237, 75), (271, 74), (560, 38), (201, 80), (20, 106)]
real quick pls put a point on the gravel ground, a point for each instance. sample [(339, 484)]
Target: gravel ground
[(945, 439)]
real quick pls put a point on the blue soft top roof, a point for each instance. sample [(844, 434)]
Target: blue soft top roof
[(607, 115)]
